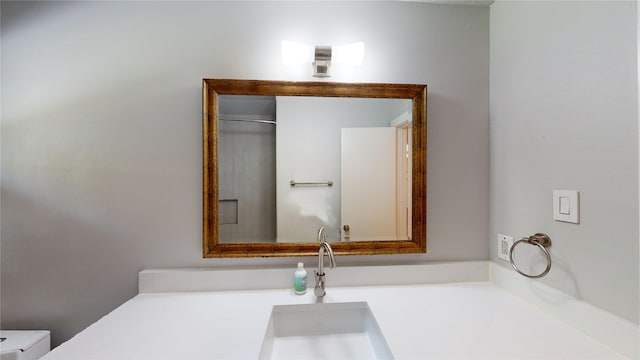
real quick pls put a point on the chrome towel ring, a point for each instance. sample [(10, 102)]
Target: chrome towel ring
[(541, 240)]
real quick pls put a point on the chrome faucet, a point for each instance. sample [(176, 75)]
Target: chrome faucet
[(324, 245)]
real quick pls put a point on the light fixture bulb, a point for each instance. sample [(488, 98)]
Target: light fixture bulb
[(294, 53), (352, 54)]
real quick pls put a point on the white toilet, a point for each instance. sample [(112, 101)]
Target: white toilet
[(24, 344)]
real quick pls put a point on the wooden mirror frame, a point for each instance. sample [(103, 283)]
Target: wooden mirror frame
[(212, 248)]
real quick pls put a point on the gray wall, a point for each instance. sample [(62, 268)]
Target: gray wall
[(101, 133), (564, 115)]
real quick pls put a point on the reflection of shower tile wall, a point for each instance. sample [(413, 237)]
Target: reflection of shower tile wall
[(247, 175)]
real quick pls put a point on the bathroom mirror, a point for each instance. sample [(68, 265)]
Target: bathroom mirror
[(282, 159)]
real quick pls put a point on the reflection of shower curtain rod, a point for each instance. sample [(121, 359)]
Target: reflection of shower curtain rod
[(245, 118)]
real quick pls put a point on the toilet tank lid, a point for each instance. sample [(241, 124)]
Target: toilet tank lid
[(12, 340)]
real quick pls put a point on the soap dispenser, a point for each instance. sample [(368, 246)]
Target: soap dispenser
[(300, 280)]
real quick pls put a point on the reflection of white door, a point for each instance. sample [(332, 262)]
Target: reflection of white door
[(368, 183)]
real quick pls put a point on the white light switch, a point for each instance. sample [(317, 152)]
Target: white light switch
[(566, 206)]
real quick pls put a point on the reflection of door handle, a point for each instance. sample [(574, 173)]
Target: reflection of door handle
[(346, 229)]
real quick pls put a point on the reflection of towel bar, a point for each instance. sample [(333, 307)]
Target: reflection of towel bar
[(326, 183)]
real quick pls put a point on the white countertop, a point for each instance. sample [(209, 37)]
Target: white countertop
[(456, 320)]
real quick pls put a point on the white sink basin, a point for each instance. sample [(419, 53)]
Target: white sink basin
[(324, 331)]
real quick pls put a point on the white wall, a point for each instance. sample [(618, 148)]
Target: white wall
[(101, 133), (564, 116), (308, 149)]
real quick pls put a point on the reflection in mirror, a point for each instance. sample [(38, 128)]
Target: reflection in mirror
[(247, 169), (360, 146), (282, 159)]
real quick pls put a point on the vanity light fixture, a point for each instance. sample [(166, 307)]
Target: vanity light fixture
[(321, 57)]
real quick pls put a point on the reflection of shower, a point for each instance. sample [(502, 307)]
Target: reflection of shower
[(246, 168)]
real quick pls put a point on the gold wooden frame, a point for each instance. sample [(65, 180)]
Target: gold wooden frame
[(213, 87)]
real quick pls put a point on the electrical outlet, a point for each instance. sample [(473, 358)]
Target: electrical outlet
[(505, 242)]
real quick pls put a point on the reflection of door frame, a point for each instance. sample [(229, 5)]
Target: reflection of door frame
[(403, 183), (403, 175)]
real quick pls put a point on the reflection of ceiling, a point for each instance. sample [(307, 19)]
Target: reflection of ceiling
[(263, 108), (245, 105)]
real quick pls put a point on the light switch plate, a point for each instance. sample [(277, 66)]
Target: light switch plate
[(566, 206)]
